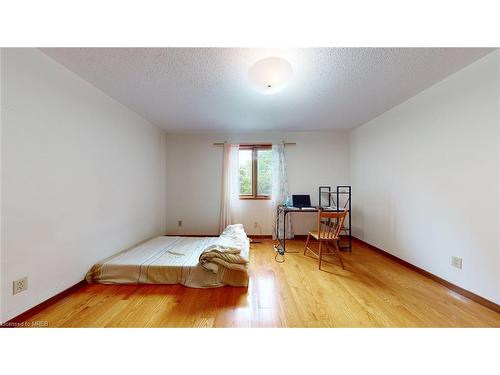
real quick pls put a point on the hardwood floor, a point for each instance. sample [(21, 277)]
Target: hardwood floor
[(373, 291)]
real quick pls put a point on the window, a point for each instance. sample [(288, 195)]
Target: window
[(255, 171)]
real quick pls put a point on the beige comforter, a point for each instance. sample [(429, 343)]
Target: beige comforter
[(230, 250)]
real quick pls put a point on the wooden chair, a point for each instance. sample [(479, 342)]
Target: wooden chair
[(329, 226)]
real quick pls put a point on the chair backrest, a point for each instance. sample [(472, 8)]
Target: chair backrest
[(331, 227)]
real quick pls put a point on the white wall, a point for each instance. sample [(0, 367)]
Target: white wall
[(194, 169), (82, 178), (426, 177)]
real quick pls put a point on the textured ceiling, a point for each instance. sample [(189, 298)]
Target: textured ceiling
[(189, 89)]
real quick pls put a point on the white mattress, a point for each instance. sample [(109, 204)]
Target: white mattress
[(166, 260)]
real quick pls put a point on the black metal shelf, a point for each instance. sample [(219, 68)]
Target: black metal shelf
[(340, 190)]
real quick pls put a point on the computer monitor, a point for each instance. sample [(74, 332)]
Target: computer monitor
[(301, 200)]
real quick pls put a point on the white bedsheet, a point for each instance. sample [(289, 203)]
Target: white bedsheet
[(167, 260)]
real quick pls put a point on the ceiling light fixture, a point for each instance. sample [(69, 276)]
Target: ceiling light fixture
[(271, 74)]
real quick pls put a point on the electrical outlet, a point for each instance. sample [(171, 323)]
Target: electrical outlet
[(255, 224), (179, 223), (456, 262), (20, 285)]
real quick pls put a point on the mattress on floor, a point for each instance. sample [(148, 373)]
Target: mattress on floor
[(166, 260)]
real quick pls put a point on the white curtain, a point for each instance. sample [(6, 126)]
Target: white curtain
[(230, 185), (280, 194)]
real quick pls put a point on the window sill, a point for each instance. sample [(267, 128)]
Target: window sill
[(242, 197)]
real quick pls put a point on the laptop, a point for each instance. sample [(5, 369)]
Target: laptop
[(301, 201)]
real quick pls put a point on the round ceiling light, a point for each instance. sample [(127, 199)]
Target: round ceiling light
[(271, 74)]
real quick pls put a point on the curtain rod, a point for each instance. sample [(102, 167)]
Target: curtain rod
[(285, 143)]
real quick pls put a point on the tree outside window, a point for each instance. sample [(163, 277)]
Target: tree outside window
[(255, 162)]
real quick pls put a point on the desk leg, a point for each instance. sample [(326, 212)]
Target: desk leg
[(284, 231), (280, 247), (277, 233), (284, 234)]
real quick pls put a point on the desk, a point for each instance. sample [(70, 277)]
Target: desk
[(284, 210)]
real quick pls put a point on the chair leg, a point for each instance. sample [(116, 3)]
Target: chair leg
[(337, 250), (319, 255), (307, 243)]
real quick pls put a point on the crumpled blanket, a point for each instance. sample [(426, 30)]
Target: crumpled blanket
[(229, 250)]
